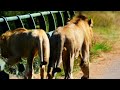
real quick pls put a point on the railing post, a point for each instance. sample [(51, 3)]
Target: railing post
[(54, 19), (72, 13), (60, 21), (19, 23), (42, 22), (31, 22), (4, 26), (7, 25), (67, 16), (62, 17), (51, 22)]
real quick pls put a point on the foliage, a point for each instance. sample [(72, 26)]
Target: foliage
[(14, 13)]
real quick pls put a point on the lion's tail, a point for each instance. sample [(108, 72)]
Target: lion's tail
[(59, 49), (44, 50)]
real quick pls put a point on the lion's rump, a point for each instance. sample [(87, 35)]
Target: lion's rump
[(23, 43)]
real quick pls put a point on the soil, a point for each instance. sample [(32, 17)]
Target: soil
[(108, 65)]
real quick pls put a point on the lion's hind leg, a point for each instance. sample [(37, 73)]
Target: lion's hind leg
[(68, 63), (85, 61)]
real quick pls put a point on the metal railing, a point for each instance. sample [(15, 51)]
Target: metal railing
[(48, 20)]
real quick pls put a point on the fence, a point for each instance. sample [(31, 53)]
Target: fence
[(48, 20)]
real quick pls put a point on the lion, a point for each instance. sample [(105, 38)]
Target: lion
[(24, 43), (69, 42)]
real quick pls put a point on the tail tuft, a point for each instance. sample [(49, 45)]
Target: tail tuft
[(44, 63), (57, 69)]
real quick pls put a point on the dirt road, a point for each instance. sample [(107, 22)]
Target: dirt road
[(108, 66)]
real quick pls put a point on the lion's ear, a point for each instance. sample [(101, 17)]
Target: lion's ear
[(90, 22)]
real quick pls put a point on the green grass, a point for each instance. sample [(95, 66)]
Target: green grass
[(102, 41), (97, 48)]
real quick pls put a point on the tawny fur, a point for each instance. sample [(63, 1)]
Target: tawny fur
[(69, 42), (19, 43)]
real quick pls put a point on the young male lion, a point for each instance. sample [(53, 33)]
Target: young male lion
[(69, 42), (23, 43)]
